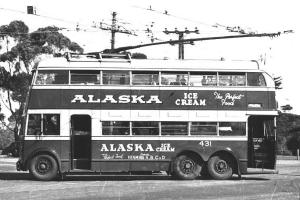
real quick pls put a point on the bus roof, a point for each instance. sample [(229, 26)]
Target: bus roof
[(148, 64)]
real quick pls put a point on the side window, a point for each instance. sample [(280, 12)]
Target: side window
[(256, 79), (144, 78), (232, 128), (174, 128), (145, 128), (203, 79), (232, 79), (43, 124), (204, 128), (51, 124), (49, 77), (174, 78), (34, 124), (85, 77), (115, 128), (116, 78)]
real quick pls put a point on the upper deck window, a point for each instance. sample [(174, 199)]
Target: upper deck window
[(232, 79), (116, 78), (49, 77), (145, 78), (174, 78), (203, 79), (256, 79), (85, 77)]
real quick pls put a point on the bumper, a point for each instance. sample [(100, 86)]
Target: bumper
[(20, 166)]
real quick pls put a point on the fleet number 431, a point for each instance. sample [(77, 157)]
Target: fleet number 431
[(205, 143)]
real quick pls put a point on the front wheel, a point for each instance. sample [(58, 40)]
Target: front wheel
[(220, 167), (186, 168), (43, 167)]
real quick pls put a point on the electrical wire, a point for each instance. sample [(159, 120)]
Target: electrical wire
[(165, 13)]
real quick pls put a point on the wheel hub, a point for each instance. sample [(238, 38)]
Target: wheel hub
[(43, 166), (188, 166), (221, 166)]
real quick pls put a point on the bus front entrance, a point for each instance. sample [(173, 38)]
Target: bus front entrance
[(81, 142), (261, 142)]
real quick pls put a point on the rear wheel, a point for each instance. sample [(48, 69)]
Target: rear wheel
[(220, 167), (186, 167), (43, 167)]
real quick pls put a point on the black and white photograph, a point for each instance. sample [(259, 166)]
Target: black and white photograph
[(149, 100)]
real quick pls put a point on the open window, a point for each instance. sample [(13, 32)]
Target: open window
[(85, 77), (145, 78), (116, 78), (174, 78), (232, 79)]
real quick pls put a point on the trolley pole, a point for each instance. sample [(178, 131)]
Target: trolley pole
[(181, 37)]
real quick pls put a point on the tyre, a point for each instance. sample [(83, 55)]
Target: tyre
[(43, 167), (186, 167), (220, 167)]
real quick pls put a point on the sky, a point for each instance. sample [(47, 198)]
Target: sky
[(281, 54)]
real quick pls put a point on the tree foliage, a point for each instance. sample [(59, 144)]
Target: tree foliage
[(138, 56), (288, 133), (287, 107), (18, 60), (278, 82)]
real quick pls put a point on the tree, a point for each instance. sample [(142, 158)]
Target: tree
[(286, 108), (278, 82), (18, 61), (138, 56), (288, 133)]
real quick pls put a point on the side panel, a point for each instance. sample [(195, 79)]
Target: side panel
[(57, 148), (140, 155), (160, 99), (156, 155)]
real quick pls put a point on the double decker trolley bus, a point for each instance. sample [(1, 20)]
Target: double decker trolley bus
[(109, 113)]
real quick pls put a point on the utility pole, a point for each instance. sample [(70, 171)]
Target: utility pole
[(114, 28), (181, 37)]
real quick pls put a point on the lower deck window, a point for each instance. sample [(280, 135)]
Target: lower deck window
[(34, 124), (145, 128), (204, 128), (43, 124), (174, 128), (232, 128), (115, 128), (51, 124)]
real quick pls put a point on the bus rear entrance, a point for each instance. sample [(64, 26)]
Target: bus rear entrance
[(261, 142)]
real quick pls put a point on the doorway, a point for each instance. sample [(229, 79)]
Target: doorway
[(81, 142), (261, 142)]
